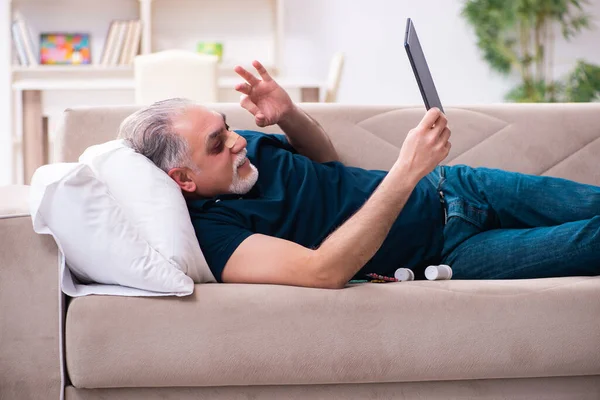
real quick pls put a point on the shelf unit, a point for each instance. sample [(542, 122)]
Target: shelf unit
[(255, 30), (48, 69)]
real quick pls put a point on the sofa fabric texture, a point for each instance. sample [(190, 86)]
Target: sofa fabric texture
[(29, 312), (565, 388), (277, 335)]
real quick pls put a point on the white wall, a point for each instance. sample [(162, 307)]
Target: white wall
[(377, 71), (371, 33)]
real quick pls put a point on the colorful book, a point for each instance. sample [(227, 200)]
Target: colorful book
[(65, 48)]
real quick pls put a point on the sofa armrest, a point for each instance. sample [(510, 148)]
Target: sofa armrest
[(29, 304), (13, 200)]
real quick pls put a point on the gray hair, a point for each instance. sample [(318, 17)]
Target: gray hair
[(150, 132)]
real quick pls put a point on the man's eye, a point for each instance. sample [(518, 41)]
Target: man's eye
[(218, 147), (226, 127)]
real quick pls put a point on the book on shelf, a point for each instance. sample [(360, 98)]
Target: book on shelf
[(19, 46), (122, 43), (23, 42), (132, 43)]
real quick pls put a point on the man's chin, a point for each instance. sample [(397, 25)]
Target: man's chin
[(244, 183)]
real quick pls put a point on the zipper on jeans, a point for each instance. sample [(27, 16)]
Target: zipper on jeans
[(443, 201)]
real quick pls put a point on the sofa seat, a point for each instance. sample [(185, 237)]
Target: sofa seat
[(238, 334)]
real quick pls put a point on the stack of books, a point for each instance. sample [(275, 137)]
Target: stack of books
[(122, 43), (23, 42)]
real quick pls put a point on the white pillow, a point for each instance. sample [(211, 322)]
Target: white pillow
[(102, 246), (152, 201)]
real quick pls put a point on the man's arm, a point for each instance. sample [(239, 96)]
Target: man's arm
[(307, 136), (264, 259), (270, 104)]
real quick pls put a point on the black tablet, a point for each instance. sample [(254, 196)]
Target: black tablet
[(420, 68)]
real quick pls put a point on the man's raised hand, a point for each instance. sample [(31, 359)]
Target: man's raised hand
[(263, 98)]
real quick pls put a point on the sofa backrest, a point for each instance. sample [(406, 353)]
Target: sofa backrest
[(544, 139)]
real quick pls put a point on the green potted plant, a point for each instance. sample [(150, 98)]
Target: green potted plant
[(518, 35)]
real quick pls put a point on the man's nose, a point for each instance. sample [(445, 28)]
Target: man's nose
[(235, 142)]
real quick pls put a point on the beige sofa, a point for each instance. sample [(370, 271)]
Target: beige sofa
[(521, 339)]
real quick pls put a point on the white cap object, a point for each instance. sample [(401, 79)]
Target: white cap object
[(438, 272), (404, 274)]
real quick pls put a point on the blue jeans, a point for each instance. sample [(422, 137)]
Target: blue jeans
[(505, 225)]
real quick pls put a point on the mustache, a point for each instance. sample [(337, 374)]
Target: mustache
[(241, 157)]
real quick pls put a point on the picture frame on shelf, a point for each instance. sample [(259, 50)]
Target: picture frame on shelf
[(62, 48)]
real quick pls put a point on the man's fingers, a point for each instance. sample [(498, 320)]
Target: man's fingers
[(243, 88), (447, 147), (260, 120), (246, 103), (444, 143), (430, 118), (261, 70), (441, 124), (251, 79), (445, 135)]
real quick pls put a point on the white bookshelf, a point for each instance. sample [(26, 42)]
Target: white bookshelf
[(248, 29), (60, 73), (49, 69), (73, 84)]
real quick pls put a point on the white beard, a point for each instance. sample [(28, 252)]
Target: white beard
[(243, 185)]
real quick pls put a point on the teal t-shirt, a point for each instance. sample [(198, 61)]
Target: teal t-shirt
[(303, 201)]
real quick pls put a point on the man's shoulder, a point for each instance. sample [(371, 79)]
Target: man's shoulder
[(223, 212)]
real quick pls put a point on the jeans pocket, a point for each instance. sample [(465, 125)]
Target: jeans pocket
[(464, 221), (478, 215)]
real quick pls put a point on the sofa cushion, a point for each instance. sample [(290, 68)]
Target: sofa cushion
[(105, 249), (237, 334), (153, 202)]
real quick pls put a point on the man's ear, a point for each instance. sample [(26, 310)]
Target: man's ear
[(183, 179)]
